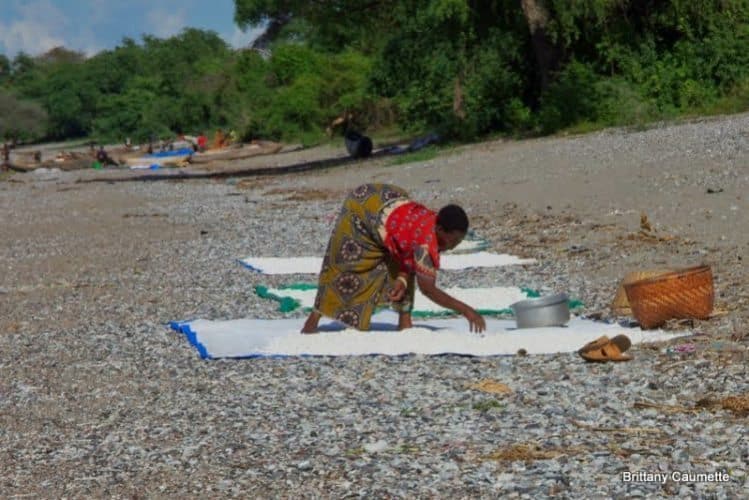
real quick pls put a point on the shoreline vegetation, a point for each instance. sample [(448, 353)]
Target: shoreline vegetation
[(468, 72)]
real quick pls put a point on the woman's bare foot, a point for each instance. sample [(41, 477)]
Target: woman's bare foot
[(313, 321), (404, 321)]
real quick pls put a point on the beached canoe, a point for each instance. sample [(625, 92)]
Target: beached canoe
[(161, 161), (255, 148), (20, 167), (72, 164), (121, 154)]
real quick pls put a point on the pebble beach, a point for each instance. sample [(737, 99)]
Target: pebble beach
[(99, 398)]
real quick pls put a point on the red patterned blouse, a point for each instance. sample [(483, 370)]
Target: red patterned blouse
[(410, 238)]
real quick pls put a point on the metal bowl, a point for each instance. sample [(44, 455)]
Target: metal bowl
[(552, 310)]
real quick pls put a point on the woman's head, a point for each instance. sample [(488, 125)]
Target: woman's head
[(452, 225)]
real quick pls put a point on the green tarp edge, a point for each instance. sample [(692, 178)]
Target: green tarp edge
[(289, 304)]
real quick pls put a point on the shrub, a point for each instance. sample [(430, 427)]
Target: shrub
[(20, 119)]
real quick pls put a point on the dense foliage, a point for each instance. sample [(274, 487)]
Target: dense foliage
[(21, 120), (463, 67), (470, 67), (185, 84)]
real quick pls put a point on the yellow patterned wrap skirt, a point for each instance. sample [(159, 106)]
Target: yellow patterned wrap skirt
[(357, 269)]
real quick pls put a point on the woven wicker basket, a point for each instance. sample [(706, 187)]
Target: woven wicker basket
[(684, 293), (620, 304)]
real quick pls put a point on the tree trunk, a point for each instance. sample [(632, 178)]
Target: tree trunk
[(547, 54)]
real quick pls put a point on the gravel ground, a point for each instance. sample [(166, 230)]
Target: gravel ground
[(98, 398)]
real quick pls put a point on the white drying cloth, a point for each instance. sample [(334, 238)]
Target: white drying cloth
[(483, 299), (312, 265), (473, 245), (246, 338), (480, 259)]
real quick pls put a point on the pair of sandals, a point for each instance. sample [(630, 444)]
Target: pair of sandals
[(605, 349)]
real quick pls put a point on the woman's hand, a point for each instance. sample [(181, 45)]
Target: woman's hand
[(428, 287), (398, 291), (475, 320)]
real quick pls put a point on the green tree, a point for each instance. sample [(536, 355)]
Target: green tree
[(60, 55), (23, 72), (70, 100), (332, 25), (470, 66), (19, 119), (134, 113), (5, 67)]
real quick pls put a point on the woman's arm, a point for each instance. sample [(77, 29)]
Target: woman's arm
[(428, 286)]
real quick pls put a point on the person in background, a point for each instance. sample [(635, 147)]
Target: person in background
[(218, 139), (202, 142), (104, 158), (232, 137)]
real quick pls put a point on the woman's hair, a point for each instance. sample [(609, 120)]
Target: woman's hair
[(452, 218)]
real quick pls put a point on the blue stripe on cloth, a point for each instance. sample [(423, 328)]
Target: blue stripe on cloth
[(249, 266), (184, 328)]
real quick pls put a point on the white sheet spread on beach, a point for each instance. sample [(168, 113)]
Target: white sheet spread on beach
[(312, 265), (493, 299), (247, 338), (471, 245)]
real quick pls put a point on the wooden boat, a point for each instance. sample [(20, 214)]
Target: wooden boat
[(162, 161), (65, 165), (121, 154), (240, 152), (19, 167)]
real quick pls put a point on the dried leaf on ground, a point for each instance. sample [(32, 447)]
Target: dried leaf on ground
[(491, 386), (665, 408), (736, 404), (523, 452)]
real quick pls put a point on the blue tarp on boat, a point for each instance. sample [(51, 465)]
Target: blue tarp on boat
[(176, 152)]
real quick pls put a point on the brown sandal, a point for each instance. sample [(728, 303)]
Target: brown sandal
[(604, 349), (594, 345)]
